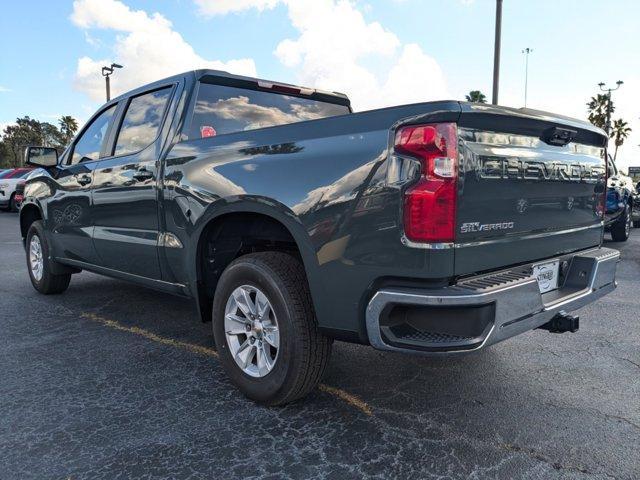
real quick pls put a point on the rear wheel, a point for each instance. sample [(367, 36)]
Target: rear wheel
[(622, 228), (265, 328), (40, 265)]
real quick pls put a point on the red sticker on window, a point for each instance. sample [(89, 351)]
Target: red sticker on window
[(207, 131)]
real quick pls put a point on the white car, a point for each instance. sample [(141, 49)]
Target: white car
[(8, 182)]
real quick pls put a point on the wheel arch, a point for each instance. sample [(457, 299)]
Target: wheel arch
[(29, 213), (280, 229)]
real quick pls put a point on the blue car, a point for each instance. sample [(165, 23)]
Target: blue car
[(623, 204)]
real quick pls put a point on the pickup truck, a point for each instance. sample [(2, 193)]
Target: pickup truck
[(433, 228)]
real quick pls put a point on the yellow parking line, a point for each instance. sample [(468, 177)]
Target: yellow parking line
[(191, 347), (346, 397), (151, 336)]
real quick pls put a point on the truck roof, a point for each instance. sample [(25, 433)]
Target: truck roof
[(226, 78)]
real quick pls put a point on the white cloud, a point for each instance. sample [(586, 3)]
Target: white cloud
[(4, 125), (4, 89), (627, 105), (222, 7), (339, 50), (337, 47), (147, 47)]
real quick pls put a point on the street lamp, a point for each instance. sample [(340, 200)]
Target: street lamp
[(526, 51), (496, 52), (609, 90), (106, 71)]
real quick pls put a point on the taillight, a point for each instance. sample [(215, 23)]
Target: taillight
[(430, 204)]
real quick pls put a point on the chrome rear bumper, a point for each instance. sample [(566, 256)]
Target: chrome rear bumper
[(511, 302)]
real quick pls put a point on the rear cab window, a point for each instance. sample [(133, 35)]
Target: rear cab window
[(221, 109)]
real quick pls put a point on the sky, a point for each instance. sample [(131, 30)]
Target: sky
[(379, 52)]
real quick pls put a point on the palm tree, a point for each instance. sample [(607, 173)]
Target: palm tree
[(619, 133), (68, 128), (597, 108), (476, 96)]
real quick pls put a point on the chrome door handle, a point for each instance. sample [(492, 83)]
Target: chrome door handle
[(143, 174), (83, 179)]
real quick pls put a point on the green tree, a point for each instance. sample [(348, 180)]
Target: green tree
[(476, 96), (51, 136), (29, 131), (5, 155), (597, 108), (68, 129), (26, 131), (620, 131)]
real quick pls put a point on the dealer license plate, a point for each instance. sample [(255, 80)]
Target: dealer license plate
[(547, 275)]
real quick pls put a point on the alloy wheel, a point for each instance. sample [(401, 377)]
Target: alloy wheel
[(251, 331), (36, 262)]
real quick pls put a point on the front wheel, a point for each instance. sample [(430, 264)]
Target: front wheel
[(265, 328), (621, 230), (13, 206), (40, 265)]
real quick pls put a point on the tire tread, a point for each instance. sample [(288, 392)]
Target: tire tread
[(50, 284)]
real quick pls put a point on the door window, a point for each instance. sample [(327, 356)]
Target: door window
[(142, 121), (89, 145)]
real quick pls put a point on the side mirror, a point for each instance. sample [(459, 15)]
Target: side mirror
[(41, 156)]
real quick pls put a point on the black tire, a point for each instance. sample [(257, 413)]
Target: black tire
[(48, 283), (304, 351), (12, 203), (621, 229)]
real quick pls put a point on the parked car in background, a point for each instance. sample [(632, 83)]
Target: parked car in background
[(622, 206), (8, 182), (19, 194), (432, 228)]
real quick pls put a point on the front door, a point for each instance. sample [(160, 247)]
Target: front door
[(69, 209), (125, 192)]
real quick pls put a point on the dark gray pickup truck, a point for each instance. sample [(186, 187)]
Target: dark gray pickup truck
[(432, 228)]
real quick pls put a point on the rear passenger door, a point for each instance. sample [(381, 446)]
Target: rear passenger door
[(125, 192)]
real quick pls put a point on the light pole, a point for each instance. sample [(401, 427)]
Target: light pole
[(496, 52), (526, 52), (106, 72), (607, 127)]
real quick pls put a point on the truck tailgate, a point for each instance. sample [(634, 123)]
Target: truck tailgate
[(523, 195)]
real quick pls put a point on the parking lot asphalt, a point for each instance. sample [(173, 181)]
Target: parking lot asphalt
[(111, 381)]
